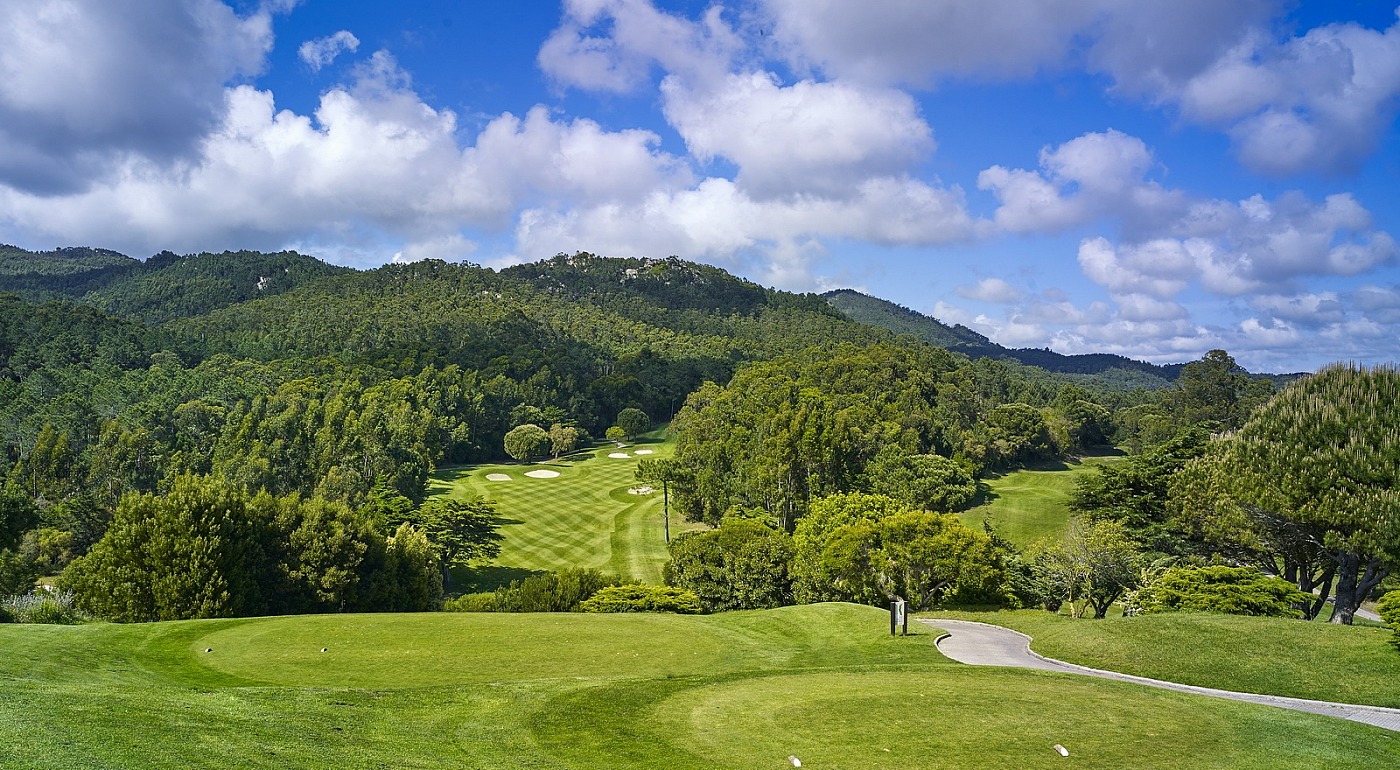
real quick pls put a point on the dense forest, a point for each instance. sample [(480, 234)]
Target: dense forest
[(297, 410)]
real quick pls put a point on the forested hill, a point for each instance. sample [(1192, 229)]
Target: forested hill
[(278, 371), (162, 287), (901, 320)]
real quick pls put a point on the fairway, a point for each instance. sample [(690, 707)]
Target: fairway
[(576, 511), (1029, 504), (824, 683)]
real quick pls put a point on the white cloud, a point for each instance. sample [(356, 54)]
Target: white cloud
[(717, 220), (1141, 307), (1092, 176), (86, 83), (375, 163), (990, 290), (808, 137), (1311, 309), (1229, 247), (1319, 101), (1271, 334), (323, 50), (613, 45)]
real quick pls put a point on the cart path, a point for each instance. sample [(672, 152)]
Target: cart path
[(982, 644)]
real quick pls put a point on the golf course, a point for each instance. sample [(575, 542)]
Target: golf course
[(1028, 504), (586, 509), (825, 684)]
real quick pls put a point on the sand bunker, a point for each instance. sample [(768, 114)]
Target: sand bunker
[(643, 452), (542, 474), (619, 455), (497, 477), (640, 491)]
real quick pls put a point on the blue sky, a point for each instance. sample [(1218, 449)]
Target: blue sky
[(1154, 178)]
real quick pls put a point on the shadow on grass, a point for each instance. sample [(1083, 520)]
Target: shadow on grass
[(488, 578)]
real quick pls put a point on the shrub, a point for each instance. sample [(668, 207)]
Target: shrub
[(560, 591), (480, 602), (643, 598), (1231, 590), (43, 606), (743, 565), (1389, 609)]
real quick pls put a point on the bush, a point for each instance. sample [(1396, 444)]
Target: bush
[(1389, 610), (1231, 590), (643, 598), (43, 606), (743, 565), (560, 591), (481, 602)]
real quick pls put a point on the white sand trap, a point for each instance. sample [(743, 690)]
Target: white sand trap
[(642, 452), (497, 477), (640, 491), (542, 474), (619, 455)]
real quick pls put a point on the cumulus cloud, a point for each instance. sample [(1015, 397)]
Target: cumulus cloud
[(1095, 175), (614, 45), (86, 83), (1169, 240), (808, 137), (323, 50), (990, 290), (373, 162), (1319, 101), (717, 220)]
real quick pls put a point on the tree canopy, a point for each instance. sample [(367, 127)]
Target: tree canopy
[(1313, 472)]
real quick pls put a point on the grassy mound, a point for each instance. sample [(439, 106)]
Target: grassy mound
[(824, 683), (1274, 656)]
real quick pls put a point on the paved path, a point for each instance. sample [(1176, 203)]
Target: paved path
[(981, 644)]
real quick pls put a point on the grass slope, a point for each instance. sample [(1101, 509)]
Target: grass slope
[(1350, 664), (824, 683), (583, 518), (1030, 504)]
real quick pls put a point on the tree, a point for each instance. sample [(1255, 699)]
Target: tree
[(1091, 568), (741, 565), (1215, 392), (615, 434), (463, 532), (633, 422), (17, 516), (562, 439), (1320, 458), (663, 472), (193, 553), (927, 482), (1135, 493), (871, 548), (524, 442)]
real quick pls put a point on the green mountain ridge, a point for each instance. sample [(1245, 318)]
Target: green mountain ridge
[(901, 320)]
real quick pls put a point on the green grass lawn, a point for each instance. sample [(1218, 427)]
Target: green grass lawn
[(825, 683), (1029, 504), (1275, 656), (584, 517)]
